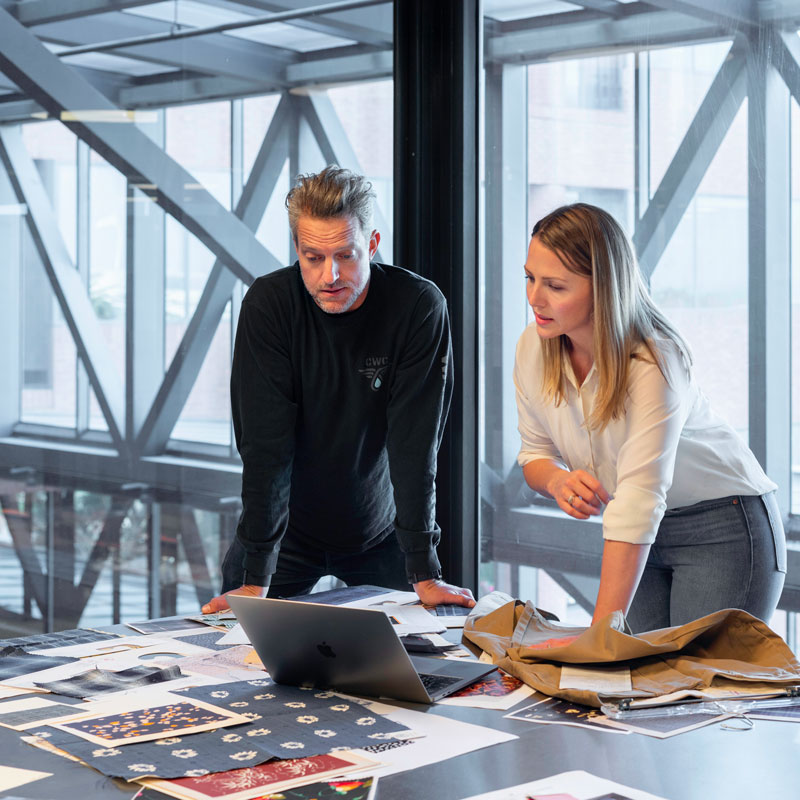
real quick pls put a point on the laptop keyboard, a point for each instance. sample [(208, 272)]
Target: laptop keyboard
[(435, 683)]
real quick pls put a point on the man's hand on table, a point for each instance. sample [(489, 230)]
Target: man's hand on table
[(438, 593), (217, 604)]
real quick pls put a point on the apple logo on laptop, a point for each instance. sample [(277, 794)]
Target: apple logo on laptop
[(326, 650)]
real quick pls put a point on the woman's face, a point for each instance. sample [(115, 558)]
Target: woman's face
[(561, 300)]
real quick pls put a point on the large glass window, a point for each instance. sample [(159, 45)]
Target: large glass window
[(120, 479), (658, 136)]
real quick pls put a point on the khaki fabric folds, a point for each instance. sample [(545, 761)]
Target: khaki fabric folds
[(729, 648)]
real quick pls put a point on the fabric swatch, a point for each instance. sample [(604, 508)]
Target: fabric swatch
[(21, 714), (164, 625), (14, 662), (174, 757), (208, 640), (97, 681), (293, 720), (159, 722), (277, 776), (286, 722), (46, 641)]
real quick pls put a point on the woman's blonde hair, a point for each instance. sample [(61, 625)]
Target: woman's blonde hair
[(590, 242)]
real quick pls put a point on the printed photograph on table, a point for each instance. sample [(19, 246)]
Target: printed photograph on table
[(664, 727), (278, 776), (497, 690), (182, 717), (554, 711)]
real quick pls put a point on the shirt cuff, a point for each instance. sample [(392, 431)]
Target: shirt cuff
[(633, 515), (419, 547), (258, 568)]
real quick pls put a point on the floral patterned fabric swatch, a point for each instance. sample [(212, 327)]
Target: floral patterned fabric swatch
[(159, 722), (286, 722), (266, 779)]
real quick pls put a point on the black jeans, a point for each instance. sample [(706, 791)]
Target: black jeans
[(300, 567)]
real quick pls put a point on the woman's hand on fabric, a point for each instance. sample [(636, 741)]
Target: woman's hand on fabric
[(578, 493)]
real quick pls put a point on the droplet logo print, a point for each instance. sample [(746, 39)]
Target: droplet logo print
[(374, 370)]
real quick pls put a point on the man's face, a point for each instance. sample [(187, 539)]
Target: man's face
[(334, 257)]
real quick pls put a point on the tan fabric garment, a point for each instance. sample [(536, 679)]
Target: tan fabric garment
[(728, 648)]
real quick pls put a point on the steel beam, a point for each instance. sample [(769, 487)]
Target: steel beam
[(375, 65), (360, 27), (506, 91), (216, 54), (182, 373), (691, 160), (335, 146), (769, 250), (145, 297), (62, 92), (39, 12), (785, 48), (580, 33), (12, 215), (66, 282), (733, 14)]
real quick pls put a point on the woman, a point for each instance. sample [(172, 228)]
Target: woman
[(613, 424)]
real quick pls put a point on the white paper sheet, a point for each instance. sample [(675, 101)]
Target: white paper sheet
[(581, 785), (235, 635), (158, 653), (387, 598), (11, 777), (439, 738), (412, 619)]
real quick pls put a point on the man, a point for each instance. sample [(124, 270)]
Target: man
[(340, 387)]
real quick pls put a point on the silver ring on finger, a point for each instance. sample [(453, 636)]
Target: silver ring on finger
[(571, 499)]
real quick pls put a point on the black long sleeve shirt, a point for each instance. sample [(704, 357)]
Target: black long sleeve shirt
[(338, 417)]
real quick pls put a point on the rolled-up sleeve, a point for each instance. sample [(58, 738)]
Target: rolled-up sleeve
[(655, 414)]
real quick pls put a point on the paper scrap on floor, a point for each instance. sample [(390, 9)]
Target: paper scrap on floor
[(575, 785)]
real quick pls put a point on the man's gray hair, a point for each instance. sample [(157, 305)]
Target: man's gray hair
[(333, 192)]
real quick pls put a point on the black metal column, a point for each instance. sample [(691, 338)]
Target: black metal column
[(437, 59)]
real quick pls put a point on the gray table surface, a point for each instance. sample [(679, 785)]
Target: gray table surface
[(705, 764)]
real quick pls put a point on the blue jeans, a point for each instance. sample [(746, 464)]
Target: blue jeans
[(300, 567), (725, 553)]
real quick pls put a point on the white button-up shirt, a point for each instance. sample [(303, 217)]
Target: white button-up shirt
[(667, 450)]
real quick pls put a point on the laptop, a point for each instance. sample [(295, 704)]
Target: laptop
[(353, 650)]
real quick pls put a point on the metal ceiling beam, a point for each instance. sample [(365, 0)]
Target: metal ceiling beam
[(191, 352), (733, 14), (172, 36), (189, 89), (38, 12), (61, 91), (691, 160), (332, 26), (66, 283), (375, 65), (603, 6), (578, 33), (215, 54)]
